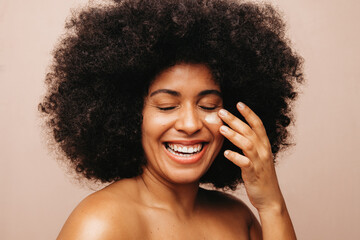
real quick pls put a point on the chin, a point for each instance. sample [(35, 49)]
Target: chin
[(185, 176)]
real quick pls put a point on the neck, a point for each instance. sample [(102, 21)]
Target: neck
[(156, 192)]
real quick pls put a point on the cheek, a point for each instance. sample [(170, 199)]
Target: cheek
[(160, 121), (154, 125), (213, 123), (212, 119), (153, 128)]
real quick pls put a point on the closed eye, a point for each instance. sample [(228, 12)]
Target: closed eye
[(208, 108), (166, 108)]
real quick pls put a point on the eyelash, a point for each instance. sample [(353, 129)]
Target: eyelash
[(173, 107), (208, 108), (166, 108)]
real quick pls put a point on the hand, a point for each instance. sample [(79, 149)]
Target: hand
[(257, 166)]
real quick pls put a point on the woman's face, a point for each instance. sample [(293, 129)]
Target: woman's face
[(180, 130)]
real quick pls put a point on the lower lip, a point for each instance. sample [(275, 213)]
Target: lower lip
[(186, 160)]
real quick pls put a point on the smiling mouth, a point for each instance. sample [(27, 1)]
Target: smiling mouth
[(185, 154), (184, 151)]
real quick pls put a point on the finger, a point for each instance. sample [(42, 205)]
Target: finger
[(238, 159), (247, 146), (254, 121), (238, 125), (246, 165)]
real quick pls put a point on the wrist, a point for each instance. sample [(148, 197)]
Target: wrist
[(276, 215), (275, 208)]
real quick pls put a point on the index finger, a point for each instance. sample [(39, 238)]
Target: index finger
[(254, 121)]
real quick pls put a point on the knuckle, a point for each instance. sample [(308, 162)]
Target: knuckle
[(248, 145), (247, 131), (237, 139), (248, 164), (268, 155), (258, 123)]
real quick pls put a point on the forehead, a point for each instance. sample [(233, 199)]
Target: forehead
[(185, 76)]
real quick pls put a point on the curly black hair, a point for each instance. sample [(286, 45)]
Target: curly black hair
[(109, 55)]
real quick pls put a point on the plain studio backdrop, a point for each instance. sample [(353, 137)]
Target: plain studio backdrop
[(320, 176)]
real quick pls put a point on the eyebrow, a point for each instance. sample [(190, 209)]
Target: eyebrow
[(210, 91), (177, 94), (168, 91)]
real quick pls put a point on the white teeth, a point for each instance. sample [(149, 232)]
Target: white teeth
[(183, 150)]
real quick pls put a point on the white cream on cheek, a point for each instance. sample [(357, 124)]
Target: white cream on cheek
[(213, 118)]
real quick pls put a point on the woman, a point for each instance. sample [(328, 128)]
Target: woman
[(137, 96)]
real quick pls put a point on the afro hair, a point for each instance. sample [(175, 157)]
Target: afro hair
[(105, 62)]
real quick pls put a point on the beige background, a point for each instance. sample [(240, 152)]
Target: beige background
[(320, 177)]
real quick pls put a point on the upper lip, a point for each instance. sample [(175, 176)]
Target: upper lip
[(186, 142)]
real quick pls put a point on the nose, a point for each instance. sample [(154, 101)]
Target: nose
[(188, 120)]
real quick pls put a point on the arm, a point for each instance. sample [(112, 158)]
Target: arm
[(280, 218), (258, 172)]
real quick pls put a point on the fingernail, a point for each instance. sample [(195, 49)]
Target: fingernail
[(226, 153), (241, 105), (223, 112), (224, 129)]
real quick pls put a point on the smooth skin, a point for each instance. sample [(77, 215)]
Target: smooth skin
[(162, 205)]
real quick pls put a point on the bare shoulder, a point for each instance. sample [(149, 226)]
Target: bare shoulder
[(232, 211), (106, 214), (225, 202)]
